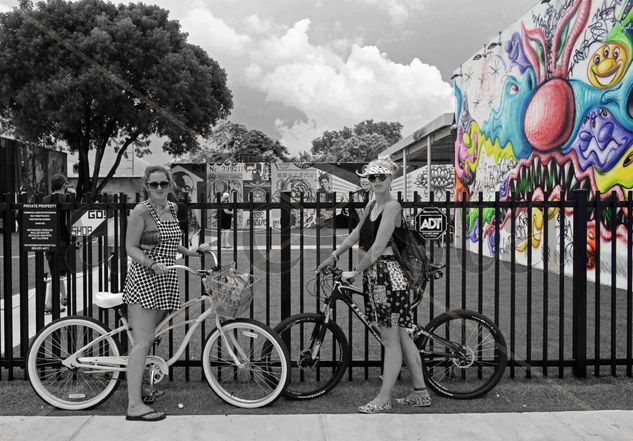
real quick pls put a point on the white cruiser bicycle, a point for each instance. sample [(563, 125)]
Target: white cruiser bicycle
[(76, 363)]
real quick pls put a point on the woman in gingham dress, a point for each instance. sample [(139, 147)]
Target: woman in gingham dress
[(152, 241), (387, 302)]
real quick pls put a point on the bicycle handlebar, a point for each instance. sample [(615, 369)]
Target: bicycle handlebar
[(202, 272)]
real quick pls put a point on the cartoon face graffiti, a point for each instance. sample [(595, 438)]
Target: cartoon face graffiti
[(608, 65), (601, 141)]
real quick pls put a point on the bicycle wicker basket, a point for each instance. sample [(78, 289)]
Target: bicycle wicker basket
[(231, 292)]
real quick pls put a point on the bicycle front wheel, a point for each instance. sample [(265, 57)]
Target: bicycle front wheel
[(246, 364), (466, 355), (71, 387), (315, 371)]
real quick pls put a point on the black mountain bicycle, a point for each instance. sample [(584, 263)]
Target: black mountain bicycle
[(463, 352)]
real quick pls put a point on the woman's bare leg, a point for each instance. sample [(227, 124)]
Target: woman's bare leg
[(143, 323)]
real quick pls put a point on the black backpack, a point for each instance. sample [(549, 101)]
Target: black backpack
[(409, 248)]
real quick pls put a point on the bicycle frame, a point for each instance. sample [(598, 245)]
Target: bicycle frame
[(120, 363), (344, 292)]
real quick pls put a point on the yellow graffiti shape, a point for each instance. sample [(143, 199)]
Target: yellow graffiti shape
[(608, 65), (476, 142), (536, 233), (621, 174)]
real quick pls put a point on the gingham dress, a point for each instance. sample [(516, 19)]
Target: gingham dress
[(157, 291)]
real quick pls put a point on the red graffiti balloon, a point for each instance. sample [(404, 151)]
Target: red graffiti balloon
[(549, 117)]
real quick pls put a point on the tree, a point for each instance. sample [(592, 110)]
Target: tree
[(98, 76), (231, 142), (359, 144)]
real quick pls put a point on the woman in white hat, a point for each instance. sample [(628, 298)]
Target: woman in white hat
[(387, 303)]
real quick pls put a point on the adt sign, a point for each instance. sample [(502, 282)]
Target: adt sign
[(431, 223)]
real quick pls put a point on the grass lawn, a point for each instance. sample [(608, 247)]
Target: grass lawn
[(518, 395)]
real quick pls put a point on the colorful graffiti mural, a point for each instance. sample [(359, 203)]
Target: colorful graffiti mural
[(546, 109)]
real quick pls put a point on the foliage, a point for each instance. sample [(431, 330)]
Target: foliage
[(361, 143), (231, 142), (303, 156), (98, 76)]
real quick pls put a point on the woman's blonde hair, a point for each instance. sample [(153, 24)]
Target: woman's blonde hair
[(156, 169)]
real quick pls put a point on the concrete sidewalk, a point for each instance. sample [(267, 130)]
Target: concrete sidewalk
[(611, 425)]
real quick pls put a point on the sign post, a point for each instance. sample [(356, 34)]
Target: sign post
[(431, 223)]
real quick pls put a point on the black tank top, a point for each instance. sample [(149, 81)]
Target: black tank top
[(369, 230)]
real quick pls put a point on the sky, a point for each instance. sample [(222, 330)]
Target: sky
[(299, 67)]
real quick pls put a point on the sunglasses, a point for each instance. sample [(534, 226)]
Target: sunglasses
[(381, 177), (155, 185)]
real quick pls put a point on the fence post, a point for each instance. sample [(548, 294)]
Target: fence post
[(579, 334), (284, 263)]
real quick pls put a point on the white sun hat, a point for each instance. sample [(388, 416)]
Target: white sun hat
[(374, 169)]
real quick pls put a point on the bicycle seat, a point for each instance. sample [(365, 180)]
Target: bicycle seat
[(105, 299)]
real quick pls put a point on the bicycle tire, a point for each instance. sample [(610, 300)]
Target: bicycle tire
[(264, 373), (313, 378), (463, 377), (67, 387)]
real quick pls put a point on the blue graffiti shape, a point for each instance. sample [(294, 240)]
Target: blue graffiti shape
[(506, 123), (514, 49), (473, 234), (601, 141), (503, 189), (619, 101), (459, 99), (491, 243)]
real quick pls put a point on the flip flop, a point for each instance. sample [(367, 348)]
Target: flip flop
[(145, 416)]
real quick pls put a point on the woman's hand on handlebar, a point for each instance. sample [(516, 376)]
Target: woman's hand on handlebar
[(330, 261), (348, 276)]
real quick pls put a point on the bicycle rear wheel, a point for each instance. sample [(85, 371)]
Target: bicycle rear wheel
[(467, 359), (263, 367), (312, 377), (71, 388)]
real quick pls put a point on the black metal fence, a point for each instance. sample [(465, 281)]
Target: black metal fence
[(556, 320)]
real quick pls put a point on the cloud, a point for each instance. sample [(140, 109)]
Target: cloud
[(329, 85), (398, 10), (333, 91), (212, 33)]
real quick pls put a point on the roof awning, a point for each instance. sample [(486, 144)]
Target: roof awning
[(440, 132)]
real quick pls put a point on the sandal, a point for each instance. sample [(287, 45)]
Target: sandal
[(417, 398), (146, 416), (372, 407)]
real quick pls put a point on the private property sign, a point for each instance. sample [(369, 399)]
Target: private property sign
[(39, 227), (431, 223)]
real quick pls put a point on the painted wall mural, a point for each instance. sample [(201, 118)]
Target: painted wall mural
[(442, 180), (316, 181), (547, 108)]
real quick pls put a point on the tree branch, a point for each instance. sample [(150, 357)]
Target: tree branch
[(133, 137)]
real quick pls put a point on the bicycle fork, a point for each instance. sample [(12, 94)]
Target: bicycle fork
[(225, 339), (317, 336)]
